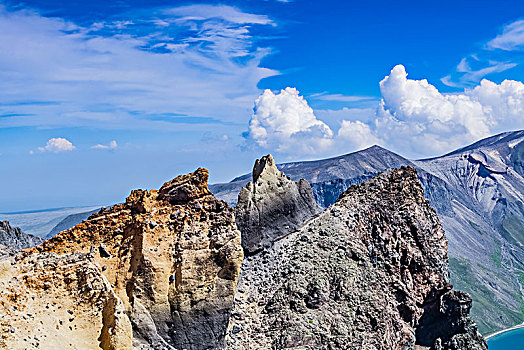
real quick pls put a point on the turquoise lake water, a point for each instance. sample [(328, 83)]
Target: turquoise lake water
[(512, 340)]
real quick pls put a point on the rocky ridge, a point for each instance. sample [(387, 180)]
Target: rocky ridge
[(477, 192), (371, 272), (272, 206), (163, 271), (171, 258)]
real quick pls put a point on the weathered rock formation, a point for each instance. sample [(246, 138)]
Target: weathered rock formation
[(272, 206), (14, 238), (161, 271), (60, 302), (172, 258), (371, 272), (478, 194)]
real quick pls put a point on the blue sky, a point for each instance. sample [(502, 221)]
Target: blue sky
[(98, 98)]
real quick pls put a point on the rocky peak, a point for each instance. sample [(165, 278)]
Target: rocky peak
[(272, 206), (184, 188), (370, 272), (265, 167), (14, 238), (172, 257)]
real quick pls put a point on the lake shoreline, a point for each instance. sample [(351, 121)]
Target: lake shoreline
[(504, 331)]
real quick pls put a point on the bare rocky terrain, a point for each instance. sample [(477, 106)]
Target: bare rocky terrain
[(166, 270), (478, 194), (14, 238), (370, 272)]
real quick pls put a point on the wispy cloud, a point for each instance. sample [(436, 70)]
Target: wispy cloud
[(111, 145), (511, 38), (198, 61), (495, 57), (470, 77), (324, 96)]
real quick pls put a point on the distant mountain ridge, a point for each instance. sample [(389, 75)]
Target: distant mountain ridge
[(69, 221), (41, 222), (478, 192)]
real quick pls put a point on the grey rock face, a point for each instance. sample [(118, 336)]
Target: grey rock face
[(6, 252), (370, 272), (272, 206), (14, 238), (478, 194)]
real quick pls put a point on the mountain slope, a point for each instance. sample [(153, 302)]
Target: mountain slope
[(486, 226), (370, 272), (69, 221), (477, 192)]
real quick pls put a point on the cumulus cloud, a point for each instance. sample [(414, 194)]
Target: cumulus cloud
[(356, 135), (412, 118), (111, 145), (415, 117), (285, 122), (57, 145)]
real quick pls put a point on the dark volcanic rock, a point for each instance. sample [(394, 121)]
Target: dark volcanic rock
[(14, 238), (272, 206), (371, 272), (477, 192)]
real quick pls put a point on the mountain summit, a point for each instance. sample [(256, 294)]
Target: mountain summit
[(478, 194)]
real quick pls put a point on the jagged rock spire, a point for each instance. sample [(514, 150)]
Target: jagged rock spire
[(272, 206)]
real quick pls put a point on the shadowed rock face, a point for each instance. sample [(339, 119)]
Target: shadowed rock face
[(272, 206), (172, 257), (371, 272)]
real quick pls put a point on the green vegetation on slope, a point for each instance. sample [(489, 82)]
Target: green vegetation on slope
[(485, 312)]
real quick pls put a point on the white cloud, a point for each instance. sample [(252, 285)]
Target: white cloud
[(339, 97), (498, 55), (416, 119), (227, 13), (469, 76), (56, 145), (130, 74), (413, 118), (356, 135), (511, 38), (111, 145), (285, 122)]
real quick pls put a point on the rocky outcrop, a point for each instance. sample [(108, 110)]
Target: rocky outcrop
[(272, 206), (172, 258), (14, 238), (371, 272), (60, 302), (477, 192), (161, 271)]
